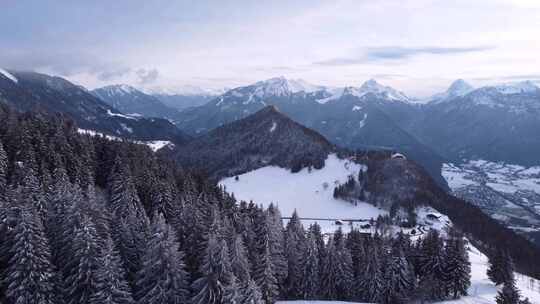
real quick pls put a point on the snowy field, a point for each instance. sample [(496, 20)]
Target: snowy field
[(153, 144), (310, 193)]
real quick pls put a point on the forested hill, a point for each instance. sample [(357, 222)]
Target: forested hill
[(399, 183), (267, 137)]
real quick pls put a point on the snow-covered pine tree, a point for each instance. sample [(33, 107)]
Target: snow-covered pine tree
[(399, 280), (239, 261), (82, 266), (311, 284), (264, 277), (316, 232), (162, 278), (124, 200), (501, 267), (3, 170), (32, 191), (30, 276), (509, 294), (294, 247), (345, 272), (233, 293), (264, 269), (432, 267), (252, 294), (457, 266), (371, 283), (131, 232), (330, 272), (216, 273), (277, 243), (111, 285)]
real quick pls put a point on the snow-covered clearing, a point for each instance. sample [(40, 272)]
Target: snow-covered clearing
[(120, 115), (309, 192), (274, 126), (9, 76), (157, 144), (153, 144)]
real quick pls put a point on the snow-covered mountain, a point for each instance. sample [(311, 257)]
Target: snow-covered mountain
[(373, 87), (458, 88), (29, 91), (128, 99)]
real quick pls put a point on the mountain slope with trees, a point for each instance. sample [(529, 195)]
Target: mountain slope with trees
[(34, 91), (127, 99), (265, 138)]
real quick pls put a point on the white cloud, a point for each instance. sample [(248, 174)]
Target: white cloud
[(435, 41)]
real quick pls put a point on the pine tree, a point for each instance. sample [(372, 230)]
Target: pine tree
[(371, 282), (294, 246), (264, 277), (162, 278), (131, 232), (216, 273), (509, 294), (111, 285), (233, 294), (399, 280), (277, 242), (457, 267), (252, 294), (311, 281), (315, 231), (345, 272), (239, 261), (30, 276), (82, 266), (124, 200), (501, 267), (330, 278), (432, 267), (3, 170)]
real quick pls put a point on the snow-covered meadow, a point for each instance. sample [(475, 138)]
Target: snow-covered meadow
[(310, 192), (155, 145)]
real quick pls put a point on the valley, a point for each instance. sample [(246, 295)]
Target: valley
[(508, 193)]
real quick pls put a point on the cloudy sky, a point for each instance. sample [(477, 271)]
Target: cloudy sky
[(417, 46)]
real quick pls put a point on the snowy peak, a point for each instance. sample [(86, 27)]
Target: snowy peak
[(117, 89), (459, 88), (516, 88), (185, 90), (280, 86), (373, 87)]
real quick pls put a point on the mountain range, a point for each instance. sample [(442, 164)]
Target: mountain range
[(34, 91)]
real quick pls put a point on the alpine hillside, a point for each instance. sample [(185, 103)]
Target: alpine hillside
[(267, 137), (129, 100), (34, 91)]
